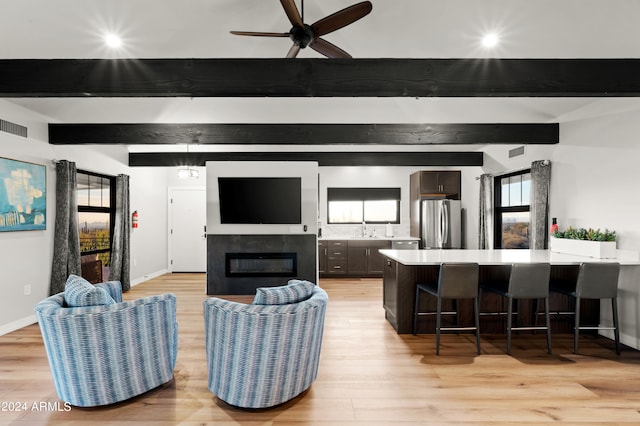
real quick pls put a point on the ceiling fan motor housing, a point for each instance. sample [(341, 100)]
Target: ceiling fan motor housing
[(302, 36)]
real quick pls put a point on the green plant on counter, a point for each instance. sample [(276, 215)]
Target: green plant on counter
[(586, 234)]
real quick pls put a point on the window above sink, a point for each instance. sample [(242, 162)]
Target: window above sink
[(363, 205)]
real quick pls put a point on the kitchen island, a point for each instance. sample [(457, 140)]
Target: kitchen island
[(404, 269)]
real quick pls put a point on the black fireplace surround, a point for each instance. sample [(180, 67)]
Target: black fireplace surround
[(239, 264)]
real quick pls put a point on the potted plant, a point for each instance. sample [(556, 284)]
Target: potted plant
[(585, 242)]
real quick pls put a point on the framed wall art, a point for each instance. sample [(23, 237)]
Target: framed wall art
[(23, 196)]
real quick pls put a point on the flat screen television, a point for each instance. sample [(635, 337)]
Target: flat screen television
[(260, 200)]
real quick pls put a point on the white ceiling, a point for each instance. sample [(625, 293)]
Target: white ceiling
[(394, 29)]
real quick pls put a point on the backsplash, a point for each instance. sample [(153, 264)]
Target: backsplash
[(355, 231)]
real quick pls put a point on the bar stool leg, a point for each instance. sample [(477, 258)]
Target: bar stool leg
[(548, 323), (576, 330), (476, 310), (509, 323), (415, 311), (455, 308), (438, 314), (616, 331)]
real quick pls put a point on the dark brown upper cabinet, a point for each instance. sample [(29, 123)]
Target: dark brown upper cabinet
[(445, 184)]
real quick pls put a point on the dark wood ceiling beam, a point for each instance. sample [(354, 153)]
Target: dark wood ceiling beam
[(318, 77), (305, 134), (441, 159)]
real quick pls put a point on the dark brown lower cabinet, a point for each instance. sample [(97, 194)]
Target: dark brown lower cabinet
[(352, 258)]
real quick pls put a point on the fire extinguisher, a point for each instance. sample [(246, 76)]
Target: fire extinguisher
[(134, 219)]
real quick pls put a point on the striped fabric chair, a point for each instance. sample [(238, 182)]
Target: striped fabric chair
[(104, 354), (262, 355)]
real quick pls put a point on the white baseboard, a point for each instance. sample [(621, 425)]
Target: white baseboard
[(148, 277), (17, 325)]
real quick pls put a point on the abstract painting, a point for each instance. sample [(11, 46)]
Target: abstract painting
[(23, 196)]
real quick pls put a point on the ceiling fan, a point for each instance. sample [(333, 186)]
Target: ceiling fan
[(304, 35)]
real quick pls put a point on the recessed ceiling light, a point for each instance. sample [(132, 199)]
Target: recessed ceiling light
[(490, 40), (113, 41)]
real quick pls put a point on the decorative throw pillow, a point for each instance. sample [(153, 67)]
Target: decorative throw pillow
[(295, 291), (80, 292)]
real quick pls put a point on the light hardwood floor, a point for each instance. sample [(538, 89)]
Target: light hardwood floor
[(368, 375)]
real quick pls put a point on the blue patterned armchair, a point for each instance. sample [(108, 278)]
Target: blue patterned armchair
[(102, 350), (263, 354)]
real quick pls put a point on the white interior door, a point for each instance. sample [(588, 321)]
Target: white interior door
[(187, 234)]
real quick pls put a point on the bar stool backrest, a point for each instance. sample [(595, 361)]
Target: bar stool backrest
[(529, 280), (598, 280), (458, 280)]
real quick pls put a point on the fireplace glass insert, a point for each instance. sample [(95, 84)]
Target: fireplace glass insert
[(260, 265)]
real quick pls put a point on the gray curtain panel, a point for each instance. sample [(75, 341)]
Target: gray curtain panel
[(540, 182), (120, 267), (66, 240), (485, 234)]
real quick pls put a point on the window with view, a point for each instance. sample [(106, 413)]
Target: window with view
[(357, 205), (512, 208), (96, 212)]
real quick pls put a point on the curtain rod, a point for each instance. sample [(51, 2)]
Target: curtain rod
[(506, 172)]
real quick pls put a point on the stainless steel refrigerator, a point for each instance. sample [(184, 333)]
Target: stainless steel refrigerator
[(440, 224)]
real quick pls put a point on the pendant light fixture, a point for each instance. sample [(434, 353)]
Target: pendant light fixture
[(188, 172)]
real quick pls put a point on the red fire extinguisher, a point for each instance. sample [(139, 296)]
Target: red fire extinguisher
[(134, 219)]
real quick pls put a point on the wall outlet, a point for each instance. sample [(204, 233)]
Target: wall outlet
[(27, 289)]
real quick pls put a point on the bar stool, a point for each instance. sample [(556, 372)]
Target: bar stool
[(595, 281), (455, 281), (526, 281)]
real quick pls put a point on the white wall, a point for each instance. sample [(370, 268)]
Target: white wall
[(594, 171), (596, 175), (25, 257)]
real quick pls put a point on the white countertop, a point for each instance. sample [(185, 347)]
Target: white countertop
[(381, 238), (497, 257)]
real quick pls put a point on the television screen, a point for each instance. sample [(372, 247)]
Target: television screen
[(260, 200)]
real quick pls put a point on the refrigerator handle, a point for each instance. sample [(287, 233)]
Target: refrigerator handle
[(441, 225), (423, 220), (445, 237)]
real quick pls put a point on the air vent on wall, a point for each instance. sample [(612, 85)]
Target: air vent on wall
[(13, 128), (516, 152)]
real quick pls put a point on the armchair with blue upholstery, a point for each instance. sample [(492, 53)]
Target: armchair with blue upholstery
[(102, 350), (263, 354)]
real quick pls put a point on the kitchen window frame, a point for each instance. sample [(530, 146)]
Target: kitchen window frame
[(362, 195), (499, 209)]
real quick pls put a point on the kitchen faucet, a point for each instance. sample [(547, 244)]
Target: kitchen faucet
[(364, 228)]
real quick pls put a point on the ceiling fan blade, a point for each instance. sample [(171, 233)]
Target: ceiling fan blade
[(259, 34), (293, 52), (329, 50), (292, 12), (341, 18)]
